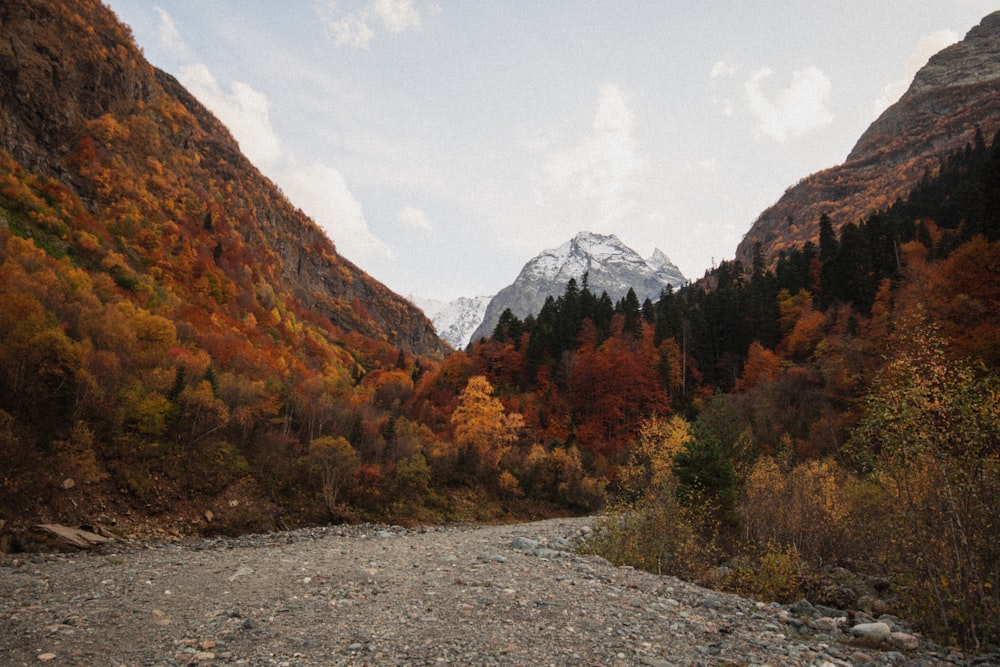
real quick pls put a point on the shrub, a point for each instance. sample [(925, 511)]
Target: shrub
[(773, 573), (657, 535)]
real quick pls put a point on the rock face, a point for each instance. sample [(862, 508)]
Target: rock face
[(610, 266), (70, 73), (953, 95)]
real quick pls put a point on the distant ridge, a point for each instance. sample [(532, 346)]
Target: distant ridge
[(456, 320)]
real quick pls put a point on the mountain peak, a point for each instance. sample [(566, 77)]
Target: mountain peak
[(610, 266), (455, 321)]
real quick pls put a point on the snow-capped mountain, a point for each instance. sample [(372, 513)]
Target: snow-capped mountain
[(454, 320), (665, 269), (610, 266)]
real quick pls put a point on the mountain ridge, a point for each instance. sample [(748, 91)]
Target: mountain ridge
[(79, 101), (954, 96)]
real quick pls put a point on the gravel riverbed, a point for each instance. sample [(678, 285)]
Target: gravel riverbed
[(382, 595)]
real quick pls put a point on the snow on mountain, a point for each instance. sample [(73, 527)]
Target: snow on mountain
[(454, 320), (666, 269), (610, 266)]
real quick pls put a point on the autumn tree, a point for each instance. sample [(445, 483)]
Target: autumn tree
[(649, 468), (338, 465), (762, 365), (931, 437), (483, 429)]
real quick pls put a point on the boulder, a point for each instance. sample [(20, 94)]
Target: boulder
[(877, 631)]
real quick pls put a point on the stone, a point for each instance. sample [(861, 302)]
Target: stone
[(824, 624), (83, 539), (45, 657), (903, 641), (803, 608), (524, 544), (876, 631), (823, 610), (560, 543)]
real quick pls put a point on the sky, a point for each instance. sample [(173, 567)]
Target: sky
[(442, 144)]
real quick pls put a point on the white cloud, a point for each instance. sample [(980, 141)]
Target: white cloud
[(794, 110), (244, 111), (397, 15), (926, 47), (603, 166), (170, 38), (722, 68), (319, 190), (352, 31), (413, 217), (322, 193), (356, 29), (708, 164)]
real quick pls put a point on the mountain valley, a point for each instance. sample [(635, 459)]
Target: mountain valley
[(183, 352)]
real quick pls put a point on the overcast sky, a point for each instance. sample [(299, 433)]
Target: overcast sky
[(443, 144)]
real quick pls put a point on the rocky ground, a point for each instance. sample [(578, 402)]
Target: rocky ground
[(370, 595)]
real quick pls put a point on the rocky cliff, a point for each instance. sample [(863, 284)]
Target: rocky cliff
[(79, 103), (953, 95)]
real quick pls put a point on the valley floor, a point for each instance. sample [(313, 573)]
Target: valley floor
[(364, 595)]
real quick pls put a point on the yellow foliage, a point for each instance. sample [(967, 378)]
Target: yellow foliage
[(338, 464), (482, 425), (650, 465), (806, 507)]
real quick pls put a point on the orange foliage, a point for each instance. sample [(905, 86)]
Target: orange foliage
[(762, 365)]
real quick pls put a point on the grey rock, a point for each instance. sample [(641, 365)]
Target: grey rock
[(524, 544), (803, 608), (876, 631), (560, 543)]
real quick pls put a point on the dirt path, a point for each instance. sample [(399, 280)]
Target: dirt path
[(383, 596)]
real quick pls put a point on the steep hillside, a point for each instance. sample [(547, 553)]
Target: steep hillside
[(953, 95), (174, 335), (79, 104), (610, 266)]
